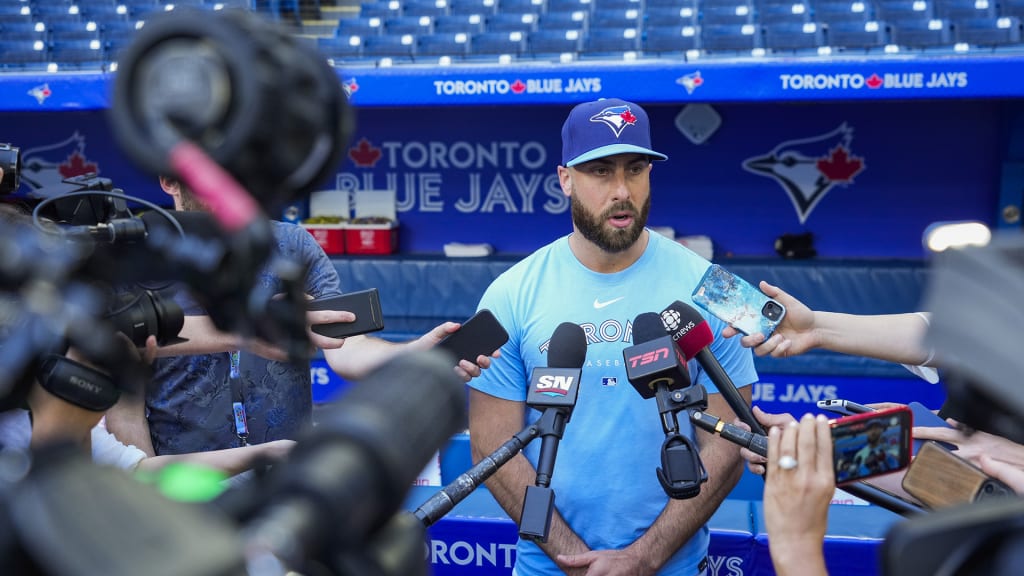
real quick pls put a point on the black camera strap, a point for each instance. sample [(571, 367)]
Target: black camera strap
[(78, 383), (238, 399)]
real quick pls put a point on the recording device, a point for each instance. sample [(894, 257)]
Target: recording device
[(10, 163), (738, 303), (939, 478), (871, 444), (365, 304), (481, 335), (692, 334), (140, 313), (348, 476), (844, 407), (249, 95), (656, 369), (554, 391)]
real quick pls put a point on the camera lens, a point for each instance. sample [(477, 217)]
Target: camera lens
[(148, 313), (772, 311)]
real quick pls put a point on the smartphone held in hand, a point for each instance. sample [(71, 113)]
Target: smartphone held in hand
[(738, 303), (365, 304), (871, 444)]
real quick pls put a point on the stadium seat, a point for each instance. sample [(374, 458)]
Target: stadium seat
[(572, 20), (791, 12), (616, 5), (729, 39), (511, 22), (671, 16), (920, 33), (858, 35), (25, 58), (382, 9), (432, 8), (956, 10), (485, 7), (670, 40), (491, 45), (344, 48), (793, 36), (730, 14), (18, 30), (1002, 31), (905, 10), (77, 55), (456, 23), (359, 26), (552, 44), (670, 4), (414, 25), (521, 6), (454, 45), (569, 5), (398, 47), (617, 18), (612, 42), (831, 11)]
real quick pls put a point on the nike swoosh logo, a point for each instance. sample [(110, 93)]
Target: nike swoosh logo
[(598, 304)]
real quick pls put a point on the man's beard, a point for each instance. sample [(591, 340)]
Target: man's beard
[(609, 239)]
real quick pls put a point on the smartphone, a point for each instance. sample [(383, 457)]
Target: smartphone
[(925, 417), (939, 478), (737, 302), (481, 334), (871, 444), (365, 304), (844, 407)]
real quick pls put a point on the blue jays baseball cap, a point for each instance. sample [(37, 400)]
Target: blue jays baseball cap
[(603, 128)]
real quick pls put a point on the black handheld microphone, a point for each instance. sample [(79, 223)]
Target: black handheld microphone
[(656, 369), (554, 390), (756, 443), (692, 334)]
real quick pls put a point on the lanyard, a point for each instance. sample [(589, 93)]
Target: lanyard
[(237, 400)]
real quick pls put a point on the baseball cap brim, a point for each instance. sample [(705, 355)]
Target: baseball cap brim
[(613, 149)]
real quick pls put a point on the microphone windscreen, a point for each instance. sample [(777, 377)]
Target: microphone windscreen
[(646, 327), (688, 328), (568, 346)]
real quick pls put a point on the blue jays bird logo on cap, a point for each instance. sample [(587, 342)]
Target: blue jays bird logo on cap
[(616, 118)]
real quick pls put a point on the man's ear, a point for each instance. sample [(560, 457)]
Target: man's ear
[(170, 186), (565, 180)]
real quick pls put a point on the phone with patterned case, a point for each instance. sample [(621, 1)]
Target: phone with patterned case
[(737, 302)]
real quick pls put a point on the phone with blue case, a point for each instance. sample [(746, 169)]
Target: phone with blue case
[(737, 302)]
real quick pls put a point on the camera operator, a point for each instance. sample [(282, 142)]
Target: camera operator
[(193, 404)]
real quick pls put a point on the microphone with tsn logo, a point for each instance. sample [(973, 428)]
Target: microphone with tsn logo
[(656, 369), (554, 391), (692, 334)]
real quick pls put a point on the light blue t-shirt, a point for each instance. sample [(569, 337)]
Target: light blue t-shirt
[(604, 478)]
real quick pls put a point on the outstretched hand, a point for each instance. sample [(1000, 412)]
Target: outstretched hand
[(795, 335), (465, 369)]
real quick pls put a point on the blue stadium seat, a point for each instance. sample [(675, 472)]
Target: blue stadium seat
[(19, 30), (611, 42), (381, 9), (78, 55), (511, 22), (671, 16), (455, 23), (617, 18), (793, 12), (793, 37), (569, 5), (490, 45), (1011, 8), (344, 48), (408, 25), (893, 10), (832, 11), (616, 5), (858, 35), (648, 4), (359, 26), (22, 57), (400, 48), (1003, 31), (8, 9), (571, 20), (432, 8), (71, 31), (735, 38), (921, 33), (551, 44), (956, 10), (485, 7), (729, 14), (521, 6), (671, 40), (454, 45)]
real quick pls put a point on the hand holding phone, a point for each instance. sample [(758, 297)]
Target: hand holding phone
[(365, 304), (738, 303), (871, 444), (940, 478), (481, 335)]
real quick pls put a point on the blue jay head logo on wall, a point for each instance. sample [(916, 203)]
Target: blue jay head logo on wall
[(807, 168), (616, 118)]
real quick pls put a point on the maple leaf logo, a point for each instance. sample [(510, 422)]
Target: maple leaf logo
[(518, 86), (839, 166), (365, 154), (874, 81), (76, 166)]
